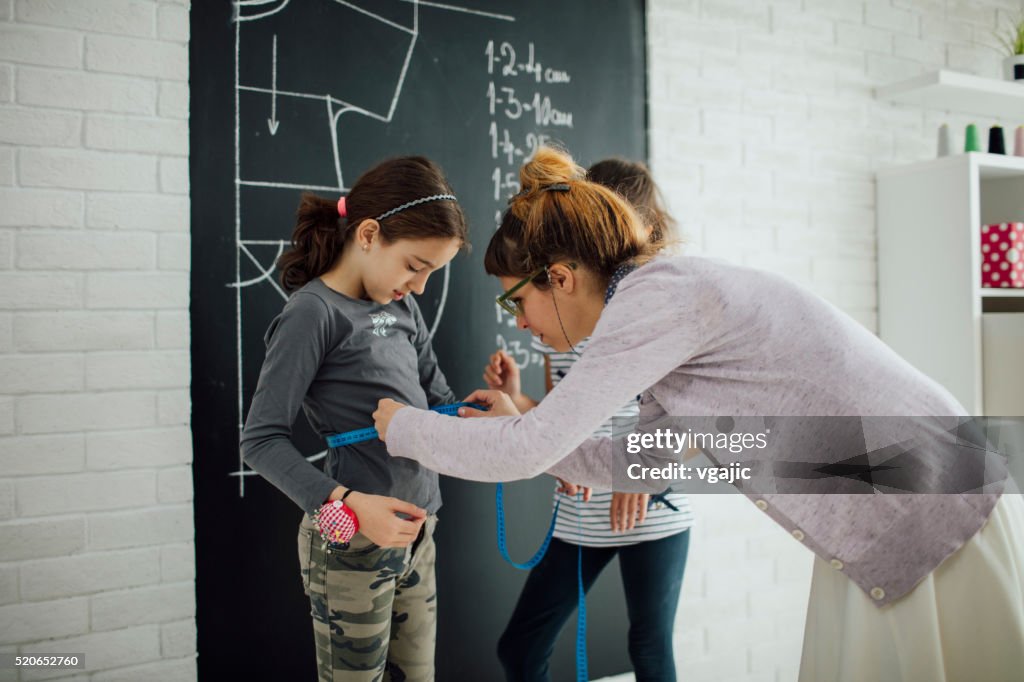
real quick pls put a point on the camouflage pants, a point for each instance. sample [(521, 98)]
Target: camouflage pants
[(374, 609)]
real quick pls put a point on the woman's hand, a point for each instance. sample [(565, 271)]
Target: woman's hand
[(386, 409), (628, 510), (377, 520), (571, 489), (498, 404), (502, 374)]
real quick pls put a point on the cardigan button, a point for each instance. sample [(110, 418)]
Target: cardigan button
[(877, 593), (836, 564), (799, 535), (761, 504)]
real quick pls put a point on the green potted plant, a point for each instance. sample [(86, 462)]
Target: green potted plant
[(1012, 40)]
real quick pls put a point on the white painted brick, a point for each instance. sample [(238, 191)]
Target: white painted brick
[(6, 249), (42, 455), (776, 103), (83, 331), (82, 90), (723, 181), (849, 10), (33, 622), (884, 69), (106, 651), (175, 485), (90, 251), (6, 332), (979, 61), (174, 408), (6, 415), (172, 23), (925, 51), (121, 133), (22, 291), (6, 83), (693, 34), (130, 290), (175, 252), (172, 329), (141, 528), (7, 501), (981, 15), (806, 77), (883, 15), (48, 47), (178, 562), (6, 165), (6, 10), (8, 585), (88, 573), (128, 17), (735, 126), (774, 157), (65, 413), (86, 492), (737, 13), (174, 176), (178, 639), (179, 670), (844, 269), (40, 208), (136, 57), (86, 170), (159, 604), (796, 24), (26, 373), (131, 370), (173, 100), (40, 539), (938, 27), (839, 163), (862, 37), (152, 448), (150, 212)]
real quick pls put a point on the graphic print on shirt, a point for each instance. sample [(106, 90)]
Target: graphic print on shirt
[(381, 322)]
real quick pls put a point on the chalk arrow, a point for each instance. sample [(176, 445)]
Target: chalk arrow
[(272, 122)]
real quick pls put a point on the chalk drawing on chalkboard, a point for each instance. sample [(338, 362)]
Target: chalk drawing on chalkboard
[(283, 108)]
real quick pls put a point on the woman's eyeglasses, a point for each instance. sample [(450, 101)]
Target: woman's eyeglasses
[(514, 308)]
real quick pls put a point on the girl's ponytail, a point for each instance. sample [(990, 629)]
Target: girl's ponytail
[(317, 241), (414, 185)]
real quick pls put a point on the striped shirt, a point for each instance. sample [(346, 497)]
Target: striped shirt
[(588, 523)]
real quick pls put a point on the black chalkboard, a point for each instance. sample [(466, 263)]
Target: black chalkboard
[(290, 95)]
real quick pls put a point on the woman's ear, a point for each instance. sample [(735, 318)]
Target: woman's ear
[(366, 232), (562, 277)]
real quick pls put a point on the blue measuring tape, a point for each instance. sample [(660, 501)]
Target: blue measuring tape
[(581, 608), (337, 440)]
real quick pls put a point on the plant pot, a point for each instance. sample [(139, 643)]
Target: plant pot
[(1013, 68)]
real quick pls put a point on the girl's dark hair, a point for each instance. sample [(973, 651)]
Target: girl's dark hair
[(633, 180), (321, 234), (560, 215)]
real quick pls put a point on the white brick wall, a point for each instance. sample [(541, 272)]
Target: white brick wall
[(765, 136), (96, 525)]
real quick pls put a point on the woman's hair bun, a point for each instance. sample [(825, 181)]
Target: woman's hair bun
[(549, 166)]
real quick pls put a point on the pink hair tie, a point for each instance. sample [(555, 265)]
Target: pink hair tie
[(342, 209)]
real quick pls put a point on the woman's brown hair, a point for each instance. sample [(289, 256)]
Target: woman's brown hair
[(633, 180), (320, 234), (561, 216)]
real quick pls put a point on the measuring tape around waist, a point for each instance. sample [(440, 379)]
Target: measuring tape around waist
[(337, 440)]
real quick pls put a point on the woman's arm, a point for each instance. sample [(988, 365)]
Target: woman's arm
[(640, 338)]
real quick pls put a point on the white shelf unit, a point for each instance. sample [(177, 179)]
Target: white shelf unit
[(952, 91), (930, 298)]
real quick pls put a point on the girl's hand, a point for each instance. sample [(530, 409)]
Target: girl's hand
[(628, 510), (498, 404), (571, 489), (377, 520), (386, 409), (502, 374)]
